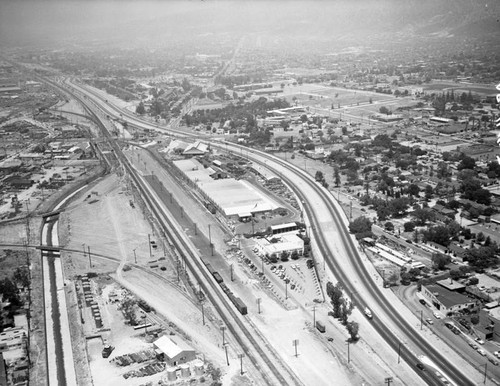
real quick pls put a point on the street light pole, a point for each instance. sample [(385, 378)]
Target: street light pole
[(90, 258), (149, 243), (135, 256)]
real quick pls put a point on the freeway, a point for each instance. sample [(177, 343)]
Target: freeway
[(262, 356), (343, 259)]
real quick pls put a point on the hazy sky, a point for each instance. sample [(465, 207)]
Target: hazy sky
[(25, 22)]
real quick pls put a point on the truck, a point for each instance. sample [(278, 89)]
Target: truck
[(368, 313), (320, 327), (107, 350)]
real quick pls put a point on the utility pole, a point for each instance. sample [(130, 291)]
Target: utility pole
[(149, 243), (348, 352), (259, 300), (210, 239), (90, 257), (232, 269), (240, 356), (388, 381), (227, 358), (485, 367), (286, 289), (135, 256), (314, 316), (295, 343), (202, 314), (223, 328), (399, 352)]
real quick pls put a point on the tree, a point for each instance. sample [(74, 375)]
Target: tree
[(440, 260), (353, 330), (361, 226), (389, 226), (439, 234), (22, 276), (294, 255), (140, 109), (284, 256), (384, 110), (335, 294), (481, 258), (319, 176), (413, 190), (409, 226), (336, 176), (466, 163), (128, 309)]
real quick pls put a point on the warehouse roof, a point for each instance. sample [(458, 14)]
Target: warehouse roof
[(171, 346)]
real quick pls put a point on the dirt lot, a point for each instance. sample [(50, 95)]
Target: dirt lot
[(103, 218)]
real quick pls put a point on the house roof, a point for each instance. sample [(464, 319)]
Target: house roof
[(448, 298)]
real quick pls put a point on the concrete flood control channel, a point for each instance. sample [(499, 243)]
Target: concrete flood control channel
[(60, 364)]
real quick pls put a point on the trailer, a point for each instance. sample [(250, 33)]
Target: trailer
[(320, 327)]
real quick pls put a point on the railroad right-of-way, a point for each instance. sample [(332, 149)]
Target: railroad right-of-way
[(262, 356), (341, 254)]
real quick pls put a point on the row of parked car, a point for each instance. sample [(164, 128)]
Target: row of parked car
[(280, 271)]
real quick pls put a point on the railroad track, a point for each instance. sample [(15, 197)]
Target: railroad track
[(253, 347)]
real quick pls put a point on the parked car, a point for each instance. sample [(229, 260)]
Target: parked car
[(497, 354), (479, 340), (420, 366), (429, 320), (482, 352), (494, 361), (423, 302), (436, 315)]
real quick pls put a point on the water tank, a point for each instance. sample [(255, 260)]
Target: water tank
[(198, 367), (172, 374), (185, 370)]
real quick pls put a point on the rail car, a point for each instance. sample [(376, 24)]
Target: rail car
[(238, 303)]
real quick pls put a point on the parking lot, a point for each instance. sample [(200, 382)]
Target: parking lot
[(290, 280)]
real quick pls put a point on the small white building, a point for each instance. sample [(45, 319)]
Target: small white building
[(173, 350), (277, 244)]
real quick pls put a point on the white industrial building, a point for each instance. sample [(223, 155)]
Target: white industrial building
[(236, 199), (277, 244)]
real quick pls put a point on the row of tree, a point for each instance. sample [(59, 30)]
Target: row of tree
[(342, 309)]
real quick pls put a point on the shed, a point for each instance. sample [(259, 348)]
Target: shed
[(173, 350)]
